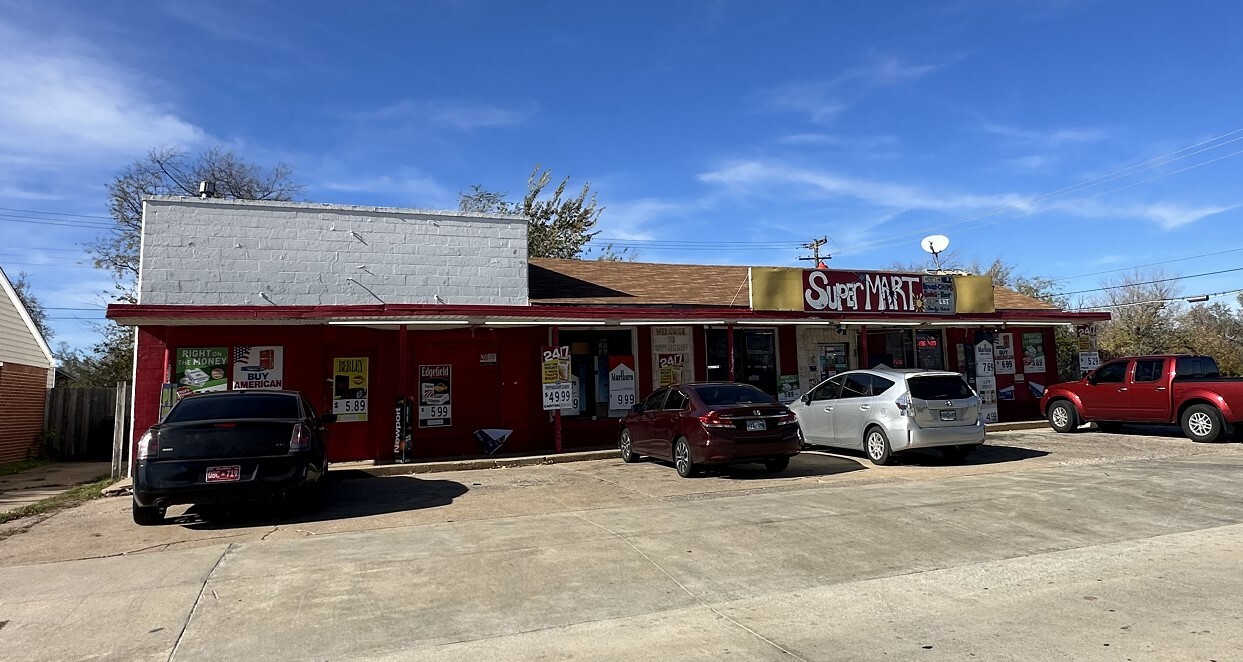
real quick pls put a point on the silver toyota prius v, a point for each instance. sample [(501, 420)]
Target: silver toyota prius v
[(886, 411)]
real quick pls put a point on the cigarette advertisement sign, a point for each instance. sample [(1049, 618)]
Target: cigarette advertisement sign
[(1033, 352), (986, 380), (201, 369), (259, 367), (1004, 355), (350, 383), (435, 396), (621, 385), (671, 351), (558, 390)]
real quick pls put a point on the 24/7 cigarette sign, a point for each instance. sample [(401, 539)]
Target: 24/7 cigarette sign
[(555, 375)]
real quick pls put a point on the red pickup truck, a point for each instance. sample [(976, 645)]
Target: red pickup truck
[(1182, 389)]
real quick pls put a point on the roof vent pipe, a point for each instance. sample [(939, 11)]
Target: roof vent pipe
[(207, 190)]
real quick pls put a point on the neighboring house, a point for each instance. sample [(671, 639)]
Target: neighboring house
[(27, 371)]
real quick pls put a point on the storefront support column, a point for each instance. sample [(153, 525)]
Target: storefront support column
[(403, 360), (554, 338), (729, 343), (863, 348)]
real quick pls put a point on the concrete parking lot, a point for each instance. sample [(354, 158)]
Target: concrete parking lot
[(1042, 546)]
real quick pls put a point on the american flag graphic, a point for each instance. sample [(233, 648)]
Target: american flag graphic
[(241, 354)]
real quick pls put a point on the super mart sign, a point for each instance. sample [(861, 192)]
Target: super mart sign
[(827, 290)]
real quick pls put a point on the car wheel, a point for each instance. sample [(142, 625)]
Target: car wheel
[(876, 445), (776, 464), (1202, 423), (1063, 417), (957, 454), (147, 515), (627, 450), (682, 458)]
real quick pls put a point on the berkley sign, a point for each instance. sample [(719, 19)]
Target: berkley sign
[(863, 291), (868, 292)]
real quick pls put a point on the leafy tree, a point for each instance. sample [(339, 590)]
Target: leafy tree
[(173, 171), (558, 225), (1216, 330), (25, 294), (109, 361)]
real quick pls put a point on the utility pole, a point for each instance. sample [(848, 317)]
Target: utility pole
[(814, 246)]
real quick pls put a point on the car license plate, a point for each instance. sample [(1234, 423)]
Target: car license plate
[(224, 474), (756, 425), (949, 414)]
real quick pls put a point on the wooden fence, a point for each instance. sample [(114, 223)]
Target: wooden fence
[(81, 423)]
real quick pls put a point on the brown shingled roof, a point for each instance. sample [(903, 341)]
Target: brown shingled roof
[(591, 282)]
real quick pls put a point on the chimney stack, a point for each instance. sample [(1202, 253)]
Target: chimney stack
[(207, 190)]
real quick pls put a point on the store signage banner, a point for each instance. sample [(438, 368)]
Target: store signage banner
[(826, 290), (1089, 361), (788, 389), (201, 369), (1003, 353), (259, 367), (1033, 352), (558, 390), (350, 383), (672, 355), (401, 433), (435, 396), (622, 385)]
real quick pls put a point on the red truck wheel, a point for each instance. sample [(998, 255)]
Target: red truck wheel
[(1202, 423), (1062, 416)]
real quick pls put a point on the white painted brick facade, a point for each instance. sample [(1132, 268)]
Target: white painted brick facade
[(230, 252)]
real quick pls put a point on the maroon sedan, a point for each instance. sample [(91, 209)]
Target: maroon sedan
[(710, 423)]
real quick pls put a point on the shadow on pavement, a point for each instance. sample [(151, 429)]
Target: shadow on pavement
[(811, 462), (1167, 431), (347, 494), (986, 454)]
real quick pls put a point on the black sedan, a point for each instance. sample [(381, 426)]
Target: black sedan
[(230, 446)]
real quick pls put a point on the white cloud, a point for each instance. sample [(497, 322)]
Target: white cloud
[(1030, 162), (823, 100), (1052, 137), (413, 189), (748, 176), (1168, 215), (61, 99), (635, 219), (453, 114)]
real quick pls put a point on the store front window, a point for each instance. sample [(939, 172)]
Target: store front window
[(755, 357), (928, 350), (895, 349), (589, 369)]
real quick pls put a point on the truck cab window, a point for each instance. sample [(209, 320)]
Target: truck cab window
[(1111, 373), (1148, 370)]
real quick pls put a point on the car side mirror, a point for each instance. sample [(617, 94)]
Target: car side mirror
[(327, 418), (638, 409), (806, 398), (1092, 378)]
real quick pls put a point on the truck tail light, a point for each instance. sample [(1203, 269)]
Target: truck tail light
[(712, 419), (148, 446), (300, 440)]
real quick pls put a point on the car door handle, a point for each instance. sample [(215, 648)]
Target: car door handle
[(1160, 388), (1122, 388), (828, 409), (864, 407)]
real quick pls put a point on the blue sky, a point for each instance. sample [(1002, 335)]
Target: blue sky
[(1047, 133)]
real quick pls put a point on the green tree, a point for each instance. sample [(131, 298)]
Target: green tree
[(34, 307), (558, 225), (1215, 330)]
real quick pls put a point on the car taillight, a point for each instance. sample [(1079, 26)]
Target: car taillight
[(300, 440), (787, 419), (712, 419), (148, 446), (904, 405)]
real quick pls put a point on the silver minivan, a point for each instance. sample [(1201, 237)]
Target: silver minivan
[(886, 411)]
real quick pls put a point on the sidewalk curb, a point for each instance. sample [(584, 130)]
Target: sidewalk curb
[(1011, 427), (472, 464), (119, 488)]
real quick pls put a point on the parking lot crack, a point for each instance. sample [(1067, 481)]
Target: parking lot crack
[(198, 599), (690, 593)]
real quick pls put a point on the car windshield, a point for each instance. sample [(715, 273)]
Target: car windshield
[(939, 387), (718, 395), (241, 405)]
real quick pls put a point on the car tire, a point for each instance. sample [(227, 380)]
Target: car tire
[(876, 446), (957, 454), (624, 446), (1202, 423), (776, 465), (147, 515), (1063, 417), (682, 458)]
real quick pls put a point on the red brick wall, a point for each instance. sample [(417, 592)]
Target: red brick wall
[(23, 390)]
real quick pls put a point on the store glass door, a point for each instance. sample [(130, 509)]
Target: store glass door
[(755, 357)]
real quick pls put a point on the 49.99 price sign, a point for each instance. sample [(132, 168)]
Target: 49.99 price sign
[(435, 396), (558, 390)]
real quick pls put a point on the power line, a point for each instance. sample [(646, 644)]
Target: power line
[(67, 224), (1172, 300), (44, 264), (53, 213), (1150, 282), (1150, 264)]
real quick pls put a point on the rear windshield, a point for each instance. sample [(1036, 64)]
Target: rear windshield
[(242, 405), (1191, 367), (732, 394), (939, 387)]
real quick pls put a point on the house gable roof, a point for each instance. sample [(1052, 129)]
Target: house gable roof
[(591, 282), (20, 340)]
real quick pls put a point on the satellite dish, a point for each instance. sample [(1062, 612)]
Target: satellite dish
[(934, 244)]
